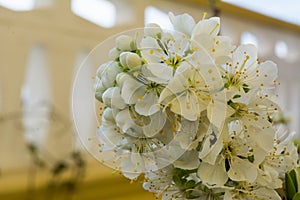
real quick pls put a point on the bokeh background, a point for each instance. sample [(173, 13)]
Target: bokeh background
[(44, 42)]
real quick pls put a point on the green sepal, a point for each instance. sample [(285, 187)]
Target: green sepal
[(296, 196), (289, 186)]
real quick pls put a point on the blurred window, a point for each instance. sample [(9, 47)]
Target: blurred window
[(18, 5), (100, 12)]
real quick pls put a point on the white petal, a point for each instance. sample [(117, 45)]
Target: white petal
[(147, 105), (109, 74), (152, 30), (187, 133), (150, 50), (189, 160), (132, 90), (132, 166), (124, 120), (265, 74), (112, 98), (101, 68), (209, 26), (156, 124), (187, 106), (242, 170), (213, 174), (266, 193), (109, 138), (245, 57), (183, 23), (161, 72), (217, 109), (224, 46), (213, 154), (99, 90)]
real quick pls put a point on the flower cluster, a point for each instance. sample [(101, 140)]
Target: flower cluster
[(193, 114)]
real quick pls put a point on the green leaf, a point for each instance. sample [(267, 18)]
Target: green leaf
[(289, 186), (293, 175), (297, 196)]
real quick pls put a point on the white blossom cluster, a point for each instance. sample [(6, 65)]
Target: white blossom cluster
[(193, 114)]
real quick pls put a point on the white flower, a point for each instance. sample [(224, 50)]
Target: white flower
[(244, 72), (225, 156), (268, 177), (167, 49), (192, 114), (158, 181), (283, 158), (186, 94), (253, 111)]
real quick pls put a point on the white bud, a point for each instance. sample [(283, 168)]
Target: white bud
[(130, 60), (113, 54), (121, 78), (125, 43), (101, 68)]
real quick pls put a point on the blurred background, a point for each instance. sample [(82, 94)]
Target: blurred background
[(43, 43)]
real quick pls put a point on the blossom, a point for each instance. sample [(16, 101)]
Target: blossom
[(244, 72), (193, 114), (186, 94), (230, 157)]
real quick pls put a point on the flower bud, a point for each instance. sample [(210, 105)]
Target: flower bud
[(121, 78), (125, 43), (113, 54), (100, 69), (130, 60)]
